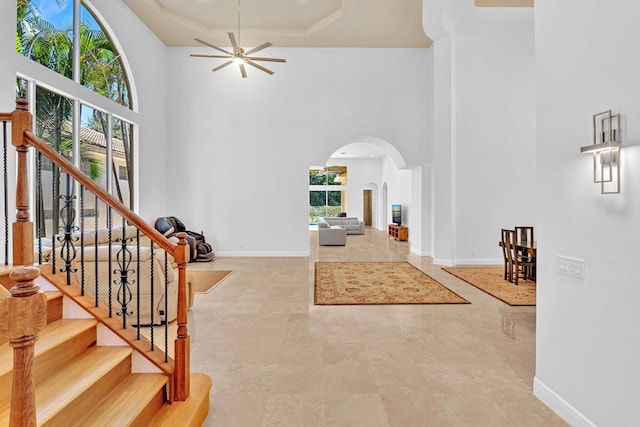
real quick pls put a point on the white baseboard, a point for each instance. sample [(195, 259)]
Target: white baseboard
[(560, 406), (260, 254), (443, 261), (479, 261), (421, 253)]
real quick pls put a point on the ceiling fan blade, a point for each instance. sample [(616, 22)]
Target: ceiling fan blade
[(255, 58), (212, 46), (257, 48), (232, 37), (223, 65), (243, 71), (197, 55), (259, 67)]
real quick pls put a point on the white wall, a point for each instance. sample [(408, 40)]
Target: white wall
[(7, 52), (248, 143), (484, 127), (587, 329), (495, 131), (8, 104)]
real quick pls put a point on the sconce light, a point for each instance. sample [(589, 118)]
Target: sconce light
[(606, 152)]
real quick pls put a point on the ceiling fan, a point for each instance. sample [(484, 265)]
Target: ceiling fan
[(239, 56)]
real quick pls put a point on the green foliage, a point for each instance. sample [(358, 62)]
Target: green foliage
[(317, 178), (317, 198)]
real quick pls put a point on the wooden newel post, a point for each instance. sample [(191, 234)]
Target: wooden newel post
[(182, 354), (26, 316), (22, 229)]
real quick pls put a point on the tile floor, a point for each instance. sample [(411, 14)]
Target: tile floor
[(278, 360)]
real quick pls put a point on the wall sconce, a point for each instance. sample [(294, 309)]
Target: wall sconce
[(606, 152)]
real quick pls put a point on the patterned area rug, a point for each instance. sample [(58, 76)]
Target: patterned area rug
[(378, 283), (205, 280), (491, 280)]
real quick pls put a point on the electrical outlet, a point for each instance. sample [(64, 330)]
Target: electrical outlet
[(570, 266)]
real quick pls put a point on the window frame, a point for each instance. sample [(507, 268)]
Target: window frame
[(36, 74)]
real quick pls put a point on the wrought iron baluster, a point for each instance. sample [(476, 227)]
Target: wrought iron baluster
[(109, 230), (95, 245), (68, 215), (166, 307), (82, 240), (40, 218), (123, 258), (54, 216), (6, 194), (138, 282), (152, 305)]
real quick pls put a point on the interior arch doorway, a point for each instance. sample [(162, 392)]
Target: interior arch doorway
[(368, 162)]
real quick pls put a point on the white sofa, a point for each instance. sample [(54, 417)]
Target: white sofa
[(100, 259), (351, 224), (331, 235)]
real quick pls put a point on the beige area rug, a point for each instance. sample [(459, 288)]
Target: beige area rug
[(378, 283), (205, 280), (491, 280)]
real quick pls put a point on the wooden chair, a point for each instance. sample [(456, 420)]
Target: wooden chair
[(519, 266), (525, 235), (507, 259)]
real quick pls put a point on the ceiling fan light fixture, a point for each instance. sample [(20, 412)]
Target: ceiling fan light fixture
[(239, 56)]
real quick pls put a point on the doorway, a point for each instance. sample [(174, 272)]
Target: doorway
[(367, 207)]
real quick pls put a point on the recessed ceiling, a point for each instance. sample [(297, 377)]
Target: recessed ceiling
[(286, 23)]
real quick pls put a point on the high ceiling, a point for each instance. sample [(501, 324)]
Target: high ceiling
[(286, 23)]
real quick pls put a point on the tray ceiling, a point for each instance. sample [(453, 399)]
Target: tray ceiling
[(286, 23)]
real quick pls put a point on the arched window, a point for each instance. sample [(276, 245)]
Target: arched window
[(67, 38), (48, 34)]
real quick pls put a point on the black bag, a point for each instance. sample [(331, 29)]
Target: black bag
[(199, 250)]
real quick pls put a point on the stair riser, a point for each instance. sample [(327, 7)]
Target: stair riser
[(63, 354), (142, 420), (83, 405), (54, 309)]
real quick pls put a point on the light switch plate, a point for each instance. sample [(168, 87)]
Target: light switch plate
[(570, 266)]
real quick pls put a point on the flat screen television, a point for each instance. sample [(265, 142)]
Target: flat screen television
[(396, 214)]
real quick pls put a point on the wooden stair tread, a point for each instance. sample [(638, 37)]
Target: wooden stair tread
[(51, 336), (124, 403), (60, 331), (191, 412), (62, 387)]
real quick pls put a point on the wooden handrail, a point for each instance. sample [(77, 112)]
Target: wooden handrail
[(5, 117), (114, 203)]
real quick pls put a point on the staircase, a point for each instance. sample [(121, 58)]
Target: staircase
[(77, 361), (83, 379)]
